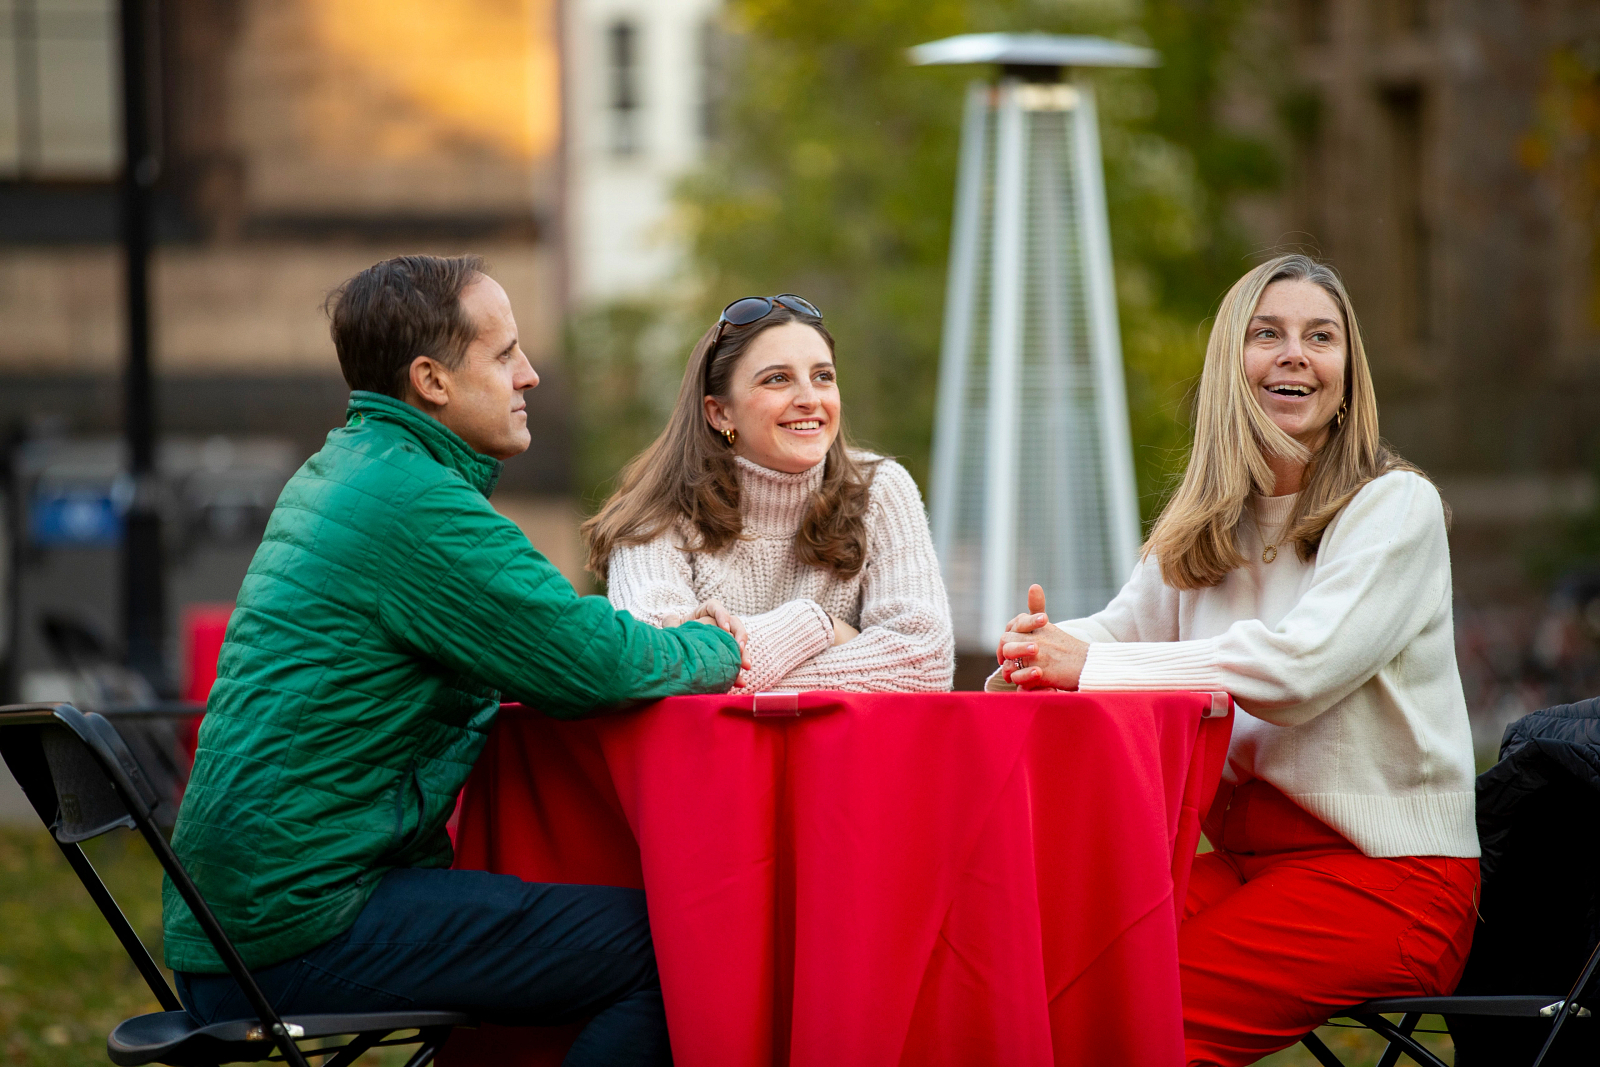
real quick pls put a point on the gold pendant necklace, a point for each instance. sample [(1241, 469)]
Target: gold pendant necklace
[(1268, 552)]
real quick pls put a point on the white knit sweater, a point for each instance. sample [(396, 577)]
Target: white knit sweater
[(1344, 668), (897, 600)]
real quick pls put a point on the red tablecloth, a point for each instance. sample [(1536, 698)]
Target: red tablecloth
[(956, 879)]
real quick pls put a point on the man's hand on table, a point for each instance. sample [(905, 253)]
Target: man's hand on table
[(1036, 655), (714, 613)]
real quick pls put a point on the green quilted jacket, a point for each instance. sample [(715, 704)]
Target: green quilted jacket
[(386, 612)]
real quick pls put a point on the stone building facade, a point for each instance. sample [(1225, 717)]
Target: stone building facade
[(300, 141), (1445, 155), (639, 83)]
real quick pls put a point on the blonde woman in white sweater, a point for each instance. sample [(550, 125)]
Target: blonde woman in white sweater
[(752, 512), (1302, 567)]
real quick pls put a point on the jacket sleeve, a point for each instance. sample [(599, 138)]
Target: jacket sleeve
[(469, 592), (906, 644), (1381, 572)]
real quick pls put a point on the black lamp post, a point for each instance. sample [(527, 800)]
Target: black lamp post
[(143, 607)]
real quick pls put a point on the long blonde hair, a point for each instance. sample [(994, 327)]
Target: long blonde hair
[(1195, 540), (687, 478)]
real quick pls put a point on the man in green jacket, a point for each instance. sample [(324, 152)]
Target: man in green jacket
[(386, 613)]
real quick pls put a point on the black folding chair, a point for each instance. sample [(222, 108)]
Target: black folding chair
[(82, 780), (1539, 917), (1401, 1036)]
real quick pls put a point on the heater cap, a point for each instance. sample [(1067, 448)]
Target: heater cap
[(1033, 50)]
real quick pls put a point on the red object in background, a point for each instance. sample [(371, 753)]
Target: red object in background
[(203, 628), (960, 878)]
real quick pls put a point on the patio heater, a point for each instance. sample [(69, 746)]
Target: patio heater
[(1032, 461)]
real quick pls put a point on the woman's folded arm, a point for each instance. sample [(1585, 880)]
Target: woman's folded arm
[(906, 642), (781, 640), (651, 581), (656, 579), (1382, 571)]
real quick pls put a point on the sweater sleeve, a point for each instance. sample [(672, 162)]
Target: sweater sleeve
[(652, 580), (471, 594), (906, 643), (656, 579), (781, 640), (1381, 571), (1145, 609)]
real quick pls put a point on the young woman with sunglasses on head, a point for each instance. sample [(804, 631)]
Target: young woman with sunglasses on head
[(752, 512), (1304, 568)]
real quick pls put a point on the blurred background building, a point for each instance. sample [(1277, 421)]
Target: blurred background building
[(628, 167), (641, 82), (1445, 154), (1443, 157), (300, 141)]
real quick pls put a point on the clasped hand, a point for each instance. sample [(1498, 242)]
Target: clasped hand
[(1036, 655), (713, 613)]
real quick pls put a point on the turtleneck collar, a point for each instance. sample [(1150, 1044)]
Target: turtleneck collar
[(1273, 511), (775, 502)]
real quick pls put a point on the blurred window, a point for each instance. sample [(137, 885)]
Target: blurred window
[(1409, 237), (622, 68), (58, 65)]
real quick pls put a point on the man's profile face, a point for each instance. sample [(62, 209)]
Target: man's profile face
[(485, 406)]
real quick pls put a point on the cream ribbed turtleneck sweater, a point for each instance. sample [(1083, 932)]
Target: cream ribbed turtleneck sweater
[(1343, 668), (897, 600)]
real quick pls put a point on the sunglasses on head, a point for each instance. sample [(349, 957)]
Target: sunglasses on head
[(748, 309)]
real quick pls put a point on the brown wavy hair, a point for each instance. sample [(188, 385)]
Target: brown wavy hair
[(1195, 540), (687, 478)]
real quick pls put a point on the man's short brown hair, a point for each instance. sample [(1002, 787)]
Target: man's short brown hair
[(394, 311)]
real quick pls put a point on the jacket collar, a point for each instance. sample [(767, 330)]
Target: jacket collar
[(437, 439)]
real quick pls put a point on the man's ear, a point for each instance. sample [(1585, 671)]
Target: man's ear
[(717, 415), (430, 383)]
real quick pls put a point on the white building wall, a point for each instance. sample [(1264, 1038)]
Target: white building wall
[(622, 240)]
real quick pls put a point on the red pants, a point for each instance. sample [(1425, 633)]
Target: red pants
[(1287, 922)]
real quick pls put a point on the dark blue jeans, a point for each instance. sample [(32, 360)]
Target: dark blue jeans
[(507, 951)]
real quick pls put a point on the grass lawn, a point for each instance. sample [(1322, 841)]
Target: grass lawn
[(65, 982), (64, 979), (1361, 1048)]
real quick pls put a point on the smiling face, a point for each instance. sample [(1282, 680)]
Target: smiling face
[(481, 397), (782, 400), (1295, 353)]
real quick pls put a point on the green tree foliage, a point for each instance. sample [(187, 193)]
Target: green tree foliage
[(615, 355), (834, 176)]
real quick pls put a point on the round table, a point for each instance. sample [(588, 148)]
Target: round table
[(840, 879)]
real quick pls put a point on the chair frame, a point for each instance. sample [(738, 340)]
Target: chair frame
[(113, 758), (1411, 1010)]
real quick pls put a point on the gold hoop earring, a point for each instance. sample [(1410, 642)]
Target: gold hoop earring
[(730, 436), (1344, 410)]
